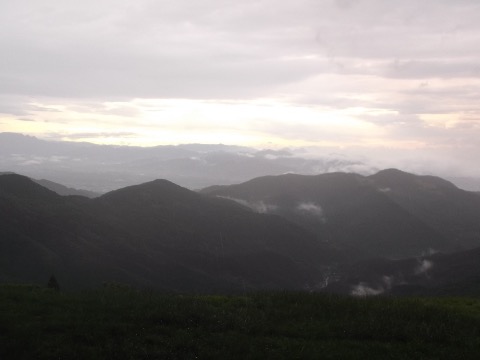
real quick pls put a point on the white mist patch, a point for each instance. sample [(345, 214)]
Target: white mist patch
[(239, 201), (363, 289), (385, 190), (257, 206), (423, 267), (263, 207), (311, 209)]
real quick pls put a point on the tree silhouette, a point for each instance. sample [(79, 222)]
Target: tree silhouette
[(53, 283)]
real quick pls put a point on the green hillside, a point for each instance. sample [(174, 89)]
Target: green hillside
[(121, 323)]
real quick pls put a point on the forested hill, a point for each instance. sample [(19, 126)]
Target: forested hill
[(157, 234)]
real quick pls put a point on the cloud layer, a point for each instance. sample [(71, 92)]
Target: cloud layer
[(339, 73)]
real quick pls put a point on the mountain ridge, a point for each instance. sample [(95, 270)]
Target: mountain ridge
[(276, 232), (391, 204), (166, 237)]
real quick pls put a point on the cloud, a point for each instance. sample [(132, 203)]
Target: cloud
[(224, 49), (22, 106), (311, 208), (423, 267), (341, 73), (363, 289), (257, 206), (151, 50), (273, 154)]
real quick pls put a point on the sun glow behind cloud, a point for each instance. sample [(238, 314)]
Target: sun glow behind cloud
[(148, 122)]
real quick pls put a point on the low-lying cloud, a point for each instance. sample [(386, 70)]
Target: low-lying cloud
[(363, 289), (311, 209), (423, 267), (257, 206)]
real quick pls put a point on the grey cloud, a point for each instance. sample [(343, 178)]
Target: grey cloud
[(439, 68), (161, 76), (217, 48), (144, 53), (339, 54), (14, 106), (21, 106)]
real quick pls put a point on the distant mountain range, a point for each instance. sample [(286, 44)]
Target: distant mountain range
[(102, 168), (391, 232), (157, 234)]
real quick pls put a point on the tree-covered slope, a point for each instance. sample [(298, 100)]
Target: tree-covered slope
[(155, 234), (349, 210)]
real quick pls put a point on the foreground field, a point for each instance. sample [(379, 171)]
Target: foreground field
[(120, 323)]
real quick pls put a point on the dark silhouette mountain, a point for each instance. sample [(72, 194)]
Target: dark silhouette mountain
[(42, 233), (59, 188), (156, 234), (281, 232), (390, 214), (453, 212)]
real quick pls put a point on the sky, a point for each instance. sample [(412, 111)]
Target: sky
[(385, 78)]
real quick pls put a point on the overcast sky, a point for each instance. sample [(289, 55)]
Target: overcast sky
[(402, 75)]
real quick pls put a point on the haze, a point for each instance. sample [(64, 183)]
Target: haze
[(396, 83)]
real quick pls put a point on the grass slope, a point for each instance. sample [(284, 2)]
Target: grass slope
[(120, 323)]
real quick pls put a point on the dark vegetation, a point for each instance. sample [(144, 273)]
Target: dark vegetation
[(118, 322)]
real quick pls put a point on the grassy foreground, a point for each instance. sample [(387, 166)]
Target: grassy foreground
[(120, 323)]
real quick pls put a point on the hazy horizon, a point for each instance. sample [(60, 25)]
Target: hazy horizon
[(396, 83), (102, 168)]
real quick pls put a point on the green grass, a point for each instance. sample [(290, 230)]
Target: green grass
[(121, 323)]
